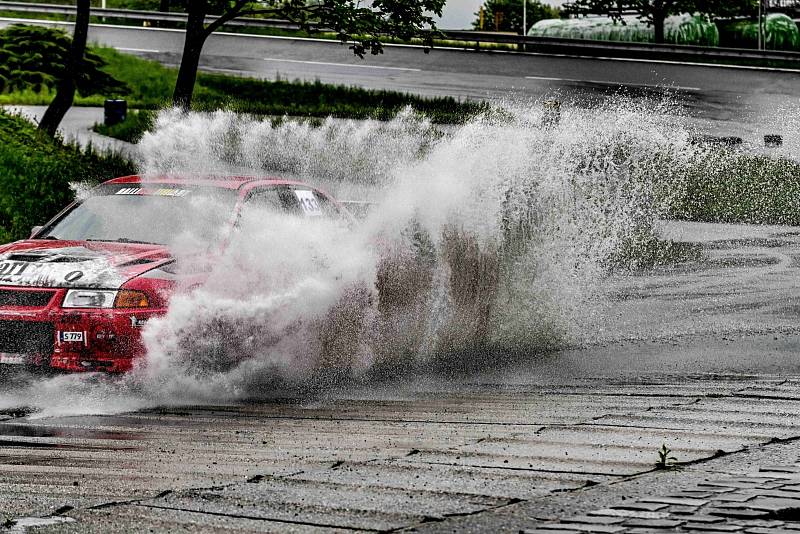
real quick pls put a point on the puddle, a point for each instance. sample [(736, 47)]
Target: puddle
[(22, 524)]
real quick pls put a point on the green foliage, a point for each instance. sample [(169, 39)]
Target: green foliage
[(150, 83), (643, 250), (654, 12), (150, 87), (506, 15), (728, 8), (131, 129), (35, 173), (679, 29), (317, 99), (647, 9), (34, 58), (780, 33), (724, 186), (362, 26)]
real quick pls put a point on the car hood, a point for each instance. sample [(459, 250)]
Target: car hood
[(38, 263)]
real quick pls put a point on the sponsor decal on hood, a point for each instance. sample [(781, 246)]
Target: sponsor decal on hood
[(61, 267)]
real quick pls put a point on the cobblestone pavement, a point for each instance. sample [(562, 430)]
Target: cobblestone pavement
[(465, 458), (762, 502)]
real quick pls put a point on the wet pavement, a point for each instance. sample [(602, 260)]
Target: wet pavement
[(701, 358), (77, 127)]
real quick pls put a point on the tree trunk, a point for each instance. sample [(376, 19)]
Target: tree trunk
[(192, 48), (65, 91), (658, 25), (659, 16), (163, 6)]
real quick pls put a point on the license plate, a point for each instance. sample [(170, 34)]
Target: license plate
[(72, 336), (13, 359)]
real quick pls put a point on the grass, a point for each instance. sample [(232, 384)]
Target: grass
[(730, 187), (36, 172), (646, 251), (151, 85), (131, 129)]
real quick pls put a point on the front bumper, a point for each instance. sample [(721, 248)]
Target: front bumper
[(77, 340)]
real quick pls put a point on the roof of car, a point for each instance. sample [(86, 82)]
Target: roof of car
[(225, 182)]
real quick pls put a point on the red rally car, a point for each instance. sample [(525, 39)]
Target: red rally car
[(75, 296)]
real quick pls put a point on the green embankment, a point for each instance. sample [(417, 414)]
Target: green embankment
[(741, 188), (150, 87), (35, 173)]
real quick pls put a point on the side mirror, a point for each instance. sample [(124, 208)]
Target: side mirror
[(35, 230)]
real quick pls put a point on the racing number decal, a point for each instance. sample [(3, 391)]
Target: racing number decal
[(308, 202), (12, 268)]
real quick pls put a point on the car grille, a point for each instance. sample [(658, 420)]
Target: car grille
[(33, 299), (26, 337)]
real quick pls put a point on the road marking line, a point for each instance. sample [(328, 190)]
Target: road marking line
[(649, 85), (139, 50), (339, 64)]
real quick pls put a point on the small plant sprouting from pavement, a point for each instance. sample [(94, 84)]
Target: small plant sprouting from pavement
[(665, 458), (6, 521)]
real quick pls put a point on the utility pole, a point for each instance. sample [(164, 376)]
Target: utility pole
[(524, 18), (760, 26)]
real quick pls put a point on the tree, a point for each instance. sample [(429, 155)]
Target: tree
[(65, 91), (506, 15), (362, 26), (35, 58), (655, 12)]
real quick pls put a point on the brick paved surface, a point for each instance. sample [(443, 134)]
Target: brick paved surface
[(761, 502)]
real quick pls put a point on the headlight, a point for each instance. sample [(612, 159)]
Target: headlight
[(89, 298), (105, 298)]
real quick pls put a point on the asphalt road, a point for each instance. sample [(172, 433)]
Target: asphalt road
[(701, 357), (732, 100)]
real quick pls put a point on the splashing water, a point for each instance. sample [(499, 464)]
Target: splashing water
[(490, 238)]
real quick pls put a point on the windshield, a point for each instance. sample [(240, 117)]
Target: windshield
[(155, 213)]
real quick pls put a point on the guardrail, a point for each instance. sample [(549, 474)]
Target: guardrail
[(132, 14), (615, 48), (522, 43)]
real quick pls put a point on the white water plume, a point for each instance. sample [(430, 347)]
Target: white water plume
[(488, 238)]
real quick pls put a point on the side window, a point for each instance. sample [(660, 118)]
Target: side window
[(278, 199), (296, 200), (328, 207), (267, 199)]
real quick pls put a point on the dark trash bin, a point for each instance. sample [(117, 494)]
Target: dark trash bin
[(773, 140), (115, 111)]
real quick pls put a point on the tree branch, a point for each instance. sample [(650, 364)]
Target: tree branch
[(234, 12)]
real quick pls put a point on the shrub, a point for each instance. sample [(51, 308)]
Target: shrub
[(35, 173), (34, 58), (725, 186)]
